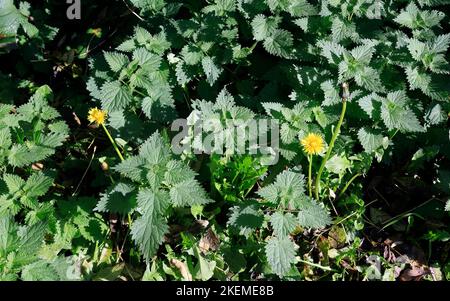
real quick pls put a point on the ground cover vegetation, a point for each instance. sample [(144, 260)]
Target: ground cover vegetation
[(90, 185)]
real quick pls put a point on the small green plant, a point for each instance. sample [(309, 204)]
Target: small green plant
[(19, 254), (159, 184)]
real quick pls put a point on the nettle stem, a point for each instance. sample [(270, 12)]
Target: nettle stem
[(336, 132), (113, 142)]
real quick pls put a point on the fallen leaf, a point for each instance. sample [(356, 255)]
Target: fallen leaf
[(183, 268), (209, 241)]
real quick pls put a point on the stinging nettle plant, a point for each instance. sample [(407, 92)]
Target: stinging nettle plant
[(157, 182), (286, 206)]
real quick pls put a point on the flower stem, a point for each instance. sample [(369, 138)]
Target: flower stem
[(333, 140), (347, 185), (310, 158), (113, 143)]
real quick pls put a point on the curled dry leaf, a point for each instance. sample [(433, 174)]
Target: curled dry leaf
[(76, 118), (182, 267), (209, 241)]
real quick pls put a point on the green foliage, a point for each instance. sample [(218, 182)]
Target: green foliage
[(32, 132), (161, 182), (81, 200), (19, 247)]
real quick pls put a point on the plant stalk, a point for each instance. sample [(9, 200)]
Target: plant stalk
[(347, 185), (310, 158), (113, 143), (333, 139)]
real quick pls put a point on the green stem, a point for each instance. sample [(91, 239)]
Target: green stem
[(330, 147), (347, 185), (113, 143), (325, 268), (310, 158)]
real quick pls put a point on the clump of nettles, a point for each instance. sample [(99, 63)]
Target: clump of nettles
[(31, 132), (287, 208), (152, 182)]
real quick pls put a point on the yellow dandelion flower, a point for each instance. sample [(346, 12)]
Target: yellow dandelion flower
[(312, 144), (96, 115)]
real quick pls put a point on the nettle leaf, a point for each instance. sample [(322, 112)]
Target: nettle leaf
[(341, 29), (132, 168), (436, 114), (211, 70), (279, 43), (148, 230), (37, 185), (154, 150), (441, 43), (127, 46), (59, 269), (188, 193), (313, 215), (288, 186), (371, 104), (19, 156), (116, 60), (31, 238), (283, 224), (334, 52), (177, 172), (263, 26), (417, 79), (245, 219), (370, 139), (191, 55), (39, 271), (280, 253), (13, 182), (397, 116), (5, 138), (114, 96), (331, 92), (148, 61), (369, 78), (414, 18), (121, 198), (301, 8), (183, 73)]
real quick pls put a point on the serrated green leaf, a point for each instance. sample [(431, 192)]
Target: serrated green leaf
[(279, 43), (37, 185), (283, 224), (280, 253), (245, 218), (148, 230), (370, 140), (313, 215), (116, 60), (211, 70), (114, 96)]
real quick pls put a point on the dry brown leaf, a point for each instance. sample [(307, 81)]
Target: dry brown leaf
[(209, 241), (182, 267), (76, 118), (414, 274)]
